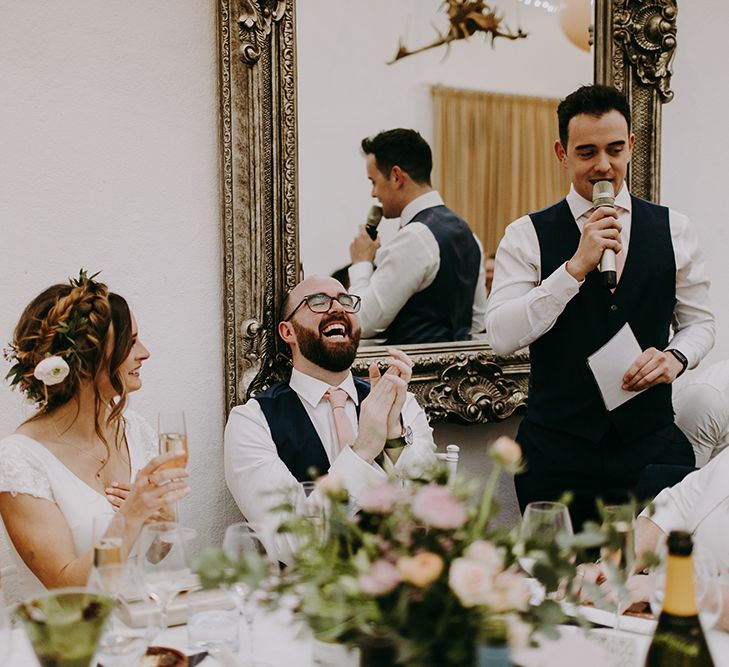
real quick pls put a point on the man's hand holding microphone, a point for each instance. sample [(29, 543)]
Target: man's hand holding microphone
[(600, 239)]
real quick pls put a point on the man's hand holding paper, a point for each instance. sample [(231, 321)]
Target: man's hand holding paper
[(652, 367)]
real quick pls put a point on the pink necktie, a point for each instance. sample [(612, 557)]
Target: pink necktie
[(337, 399)]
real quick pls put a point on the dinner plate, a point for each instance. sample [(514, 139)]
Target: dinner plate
[(629, 623)]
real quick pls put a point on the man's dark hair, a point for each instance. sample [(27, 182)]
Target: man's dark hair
[(595, 100), (404, 148)]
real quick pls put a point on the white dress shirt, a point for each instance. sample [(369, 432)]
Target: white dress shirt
[(699, 504), (701, 402), (522, 307), (257, 477), (405, 266)]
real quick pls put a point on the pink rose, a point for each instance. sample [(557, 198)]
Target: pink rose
[(506, 452), (330, 484), (470, 581), (437, 507), (380, 499), (485, 553), (383, 578), (510, 592), (421, 569)]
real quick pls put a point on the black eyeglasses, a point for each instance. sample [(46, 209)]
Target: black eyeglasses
[(322, 303)]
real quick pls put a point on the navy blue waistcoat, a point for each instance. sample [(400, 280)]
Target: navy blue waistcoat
[(443, 310), (297, 442), (563, 393)]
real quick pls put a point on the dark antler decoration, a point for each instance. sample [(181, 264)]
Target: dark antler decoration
[(466, 18)]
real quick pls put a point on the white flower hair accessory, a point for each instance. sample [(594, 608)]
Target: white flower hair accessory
[(52, 370)]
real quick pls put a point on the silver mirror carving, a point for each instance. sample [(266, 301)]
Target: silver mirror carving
[(634, 45)]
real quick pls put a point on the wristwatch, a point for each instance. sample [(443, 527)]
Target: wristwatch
[(403, 440), (681, 357)]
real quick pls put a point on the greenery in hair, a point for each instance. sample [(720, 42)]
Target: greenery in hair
[(64, 345)]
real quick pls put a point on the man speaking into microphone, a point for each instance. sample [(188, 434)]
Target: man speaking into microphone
[(550, 294), (427, 284)]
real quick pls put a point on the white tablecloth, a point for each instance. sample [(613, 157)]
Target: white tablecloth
[(276, 644)]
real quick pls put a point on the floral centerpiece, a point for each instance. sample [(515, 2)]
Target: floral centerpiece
[(421, 565)]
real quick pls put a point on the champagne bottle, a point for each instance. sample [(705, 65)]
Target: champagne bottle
[(679, 640)]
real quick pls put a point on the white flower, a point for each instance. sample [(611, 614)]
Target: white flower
[(52, 370), (471, 581), (509, 591), (486, 553), (506, 452)]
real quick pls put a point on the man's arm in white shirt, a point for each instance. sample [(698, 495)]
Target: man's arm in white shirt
[(257, 477), (405, 265), (522, 307), (702, 414), (478, 317), (694, 322)]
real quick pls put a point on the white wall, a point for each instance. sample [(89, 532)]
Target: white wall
[(109, 161), (347, 92), (695, 171)]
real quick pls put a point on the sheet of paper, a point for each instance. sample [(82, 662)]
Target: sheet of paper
[(609, 364)]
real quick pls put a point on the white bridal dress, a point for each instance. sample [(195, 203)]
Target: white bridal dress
[(26, 466)]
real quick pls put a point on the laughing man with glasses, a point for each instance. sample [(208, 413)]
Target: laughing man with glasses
[(322, 417)]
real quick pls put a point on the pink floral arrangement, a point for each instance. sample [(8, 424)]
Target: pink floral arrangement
[(419, 562)]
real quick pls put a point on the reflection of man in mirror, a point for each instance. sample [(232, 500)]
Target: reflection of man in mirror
[(548, 294), (322, 417), (488, 267), (426, 285)]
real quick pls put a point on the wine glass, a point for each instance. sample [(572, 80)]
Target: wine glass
[(172, 434), (618, 553), (242, 542), (6, 637), (163, 563), (64, 625), (709, 578), (122, 645), (544, 522)]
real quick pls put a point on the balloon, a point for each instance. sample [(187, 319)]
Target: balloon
[(575, 20)]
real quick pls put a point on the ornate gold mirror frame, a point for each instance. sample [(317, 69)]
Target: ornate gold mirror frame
[(634, 45)]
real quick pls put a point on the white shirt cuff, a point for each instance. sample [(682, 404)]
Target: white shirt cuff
[(355, 473), (361, 271)]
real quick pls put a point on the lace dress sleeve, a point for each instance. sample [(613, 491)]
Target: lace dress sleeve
[(141, 432), (21, 471)]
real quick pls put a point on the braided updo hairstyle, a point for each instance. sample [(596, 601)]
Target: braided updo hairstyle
[(86, 325)]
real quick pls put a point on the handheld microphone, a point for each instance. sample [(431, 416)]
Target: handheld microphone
[(373, 219), (603, 195)]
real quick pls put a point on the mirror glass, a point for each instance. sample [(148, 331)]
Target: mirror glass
[(347, 91)]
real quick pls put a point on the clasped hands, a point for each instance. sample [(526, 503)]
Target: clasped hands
[(379, 416)]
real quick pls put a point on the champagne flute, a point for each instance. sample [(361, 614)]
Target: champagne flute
[(543, 522), (172, 433), (618, 553), (163, 563), (110, 553), (242, 541)]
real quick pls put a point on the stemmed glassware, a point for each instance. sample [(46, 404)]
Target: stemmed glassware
[(64, 625), (172, 433), (543, 522), (708, 581), (242, 541), (618, 553), (163, 563)]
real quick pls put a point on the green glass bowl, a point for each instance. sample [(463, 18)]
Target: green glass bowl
[(64, 626)]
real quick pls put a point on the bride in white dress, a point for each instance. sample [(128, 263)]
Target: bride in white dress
[(76, 354)]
